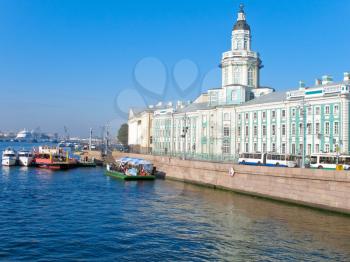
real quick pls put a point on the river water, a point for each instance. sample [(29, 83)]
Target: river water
[(83, 215)]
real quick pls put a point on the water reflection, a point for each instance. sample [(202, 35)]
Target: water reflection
[(271, 220)]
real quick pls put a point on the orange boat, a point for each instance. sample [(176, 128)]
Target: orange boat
[(53, 158)]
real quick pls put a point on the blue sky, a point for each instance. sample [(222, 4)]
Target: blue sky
[(79, 63)]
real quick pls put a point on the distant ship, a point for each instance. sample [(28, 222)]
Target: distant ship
[(24, 136)]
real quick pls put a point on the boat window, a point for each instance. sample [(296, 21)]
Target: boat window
[(9, 155)]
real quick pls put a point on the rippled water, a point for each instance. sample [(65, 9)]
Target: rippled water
[(84, 215)]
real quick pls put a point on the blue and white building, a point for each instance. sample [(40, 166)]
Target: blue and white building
[(243, 116)]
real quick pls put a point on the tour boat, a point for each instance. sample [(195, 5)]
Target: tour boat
[(53, 158), (25, 158), (9, 157), (129, 169)]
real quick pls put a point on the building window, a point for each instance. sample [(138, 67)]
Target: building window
[(255, 130), (255, 115), (317, 110), (226, 131), (226, 149), (264, 130), (255, 147), (236, 75), (246, 147), (246, 116), (273, 114), (309, 128), (263, 115), (239, 130), (327, 110), (326, 148), (309, 149), (317, 148), (264, 148), (293, 129), (309, 110), (301, 129), (336, 110), (273, 147), (293, 112), (239, 44), (226, 116), (301, 148), (283, 148), (239, 147), (246, 130), (336, 128), (293, 149), (317, 128), (283, 113), (283, 130), (273, 130), (239, 116), (250, 77), (326, 129)]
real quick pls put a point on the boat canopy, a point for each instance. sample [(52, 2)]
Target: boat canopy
[(134, 161)]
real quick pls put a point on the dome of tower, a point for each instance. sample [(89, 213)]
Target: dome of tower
[(241, 25)]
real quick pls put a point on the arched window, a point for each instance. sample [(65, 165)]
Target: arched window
[(225, 75), (250, 76), (239, 44), (236, 75)]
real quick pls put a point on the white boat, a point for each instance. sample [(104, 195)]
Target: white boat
[(9, 157), (25, 157), (24, 136)]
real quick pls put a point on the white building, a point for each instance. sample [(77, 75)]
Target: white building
[(243, 116)]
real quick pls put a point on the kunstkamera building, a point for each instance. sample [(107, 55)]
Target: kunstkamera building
[(243, 116)]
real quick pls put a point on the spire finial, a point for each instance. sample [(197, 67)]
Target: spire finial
[(241, 8)]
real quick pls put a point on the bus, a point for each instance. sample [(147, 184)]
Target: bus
[(268, 159), (330, 161)]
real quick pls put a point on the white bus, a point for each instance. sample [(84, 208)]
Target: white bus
[(329, 161), (267, 159)]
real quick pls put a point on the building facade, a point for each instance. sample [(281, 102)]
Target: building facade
[(243, 116)]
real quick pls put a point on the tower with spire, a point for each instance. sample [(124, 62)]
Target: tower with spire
[(240, 66)]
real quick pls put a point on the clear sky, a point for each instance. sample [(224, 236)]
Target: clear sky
[(81, 63)]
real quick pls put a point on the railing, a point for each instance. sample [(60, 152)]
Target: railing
[(220, 158)]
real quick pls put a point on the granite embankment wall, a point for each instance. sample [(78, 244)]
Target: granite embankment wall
[(323, 189)]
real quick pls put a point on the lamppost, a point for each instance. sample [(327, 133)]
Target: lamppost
[(184, 133), (302, 109)]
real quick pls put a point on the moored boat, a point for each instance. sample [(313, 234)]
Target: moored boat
[(9, 157), (54, 158), (85, 161), (25, 158), (129, 169)]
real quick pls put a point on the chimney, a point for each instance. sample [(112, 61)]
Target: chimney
[(318, 82), (346, 76), (327, 79)]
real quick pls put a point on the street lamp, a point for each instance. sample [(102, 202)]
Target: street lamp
[(302, 107), (184, 133)]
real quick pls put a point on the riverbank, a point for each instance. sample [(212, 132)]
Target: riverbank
[(323, 189)]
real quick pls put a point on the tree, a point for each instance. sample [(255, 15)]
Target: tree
[(123, 134)]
